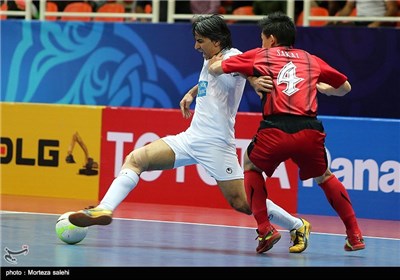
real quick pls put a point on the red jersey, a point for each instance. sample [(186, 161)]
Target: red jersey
[(295, 74)]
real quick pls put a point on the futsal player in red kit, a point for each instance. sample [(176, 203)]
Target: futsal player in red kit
[(290, 128)]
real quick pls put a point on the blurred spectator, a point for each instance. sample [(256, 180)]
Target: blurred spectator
[(262, 7), (136, 6), (127, 3), (236, 4), (204, 7), (96, 4), (226, 7), (369, 8), (62, 4), (132, 6), (332, 6), (181, 7), (241, 8)]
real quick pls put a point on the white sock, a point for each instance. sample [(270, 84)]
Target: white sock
[(280, 217), (122, 185)]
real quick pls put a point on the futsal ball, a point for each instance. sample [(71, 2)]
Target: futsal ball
[(68, 232)]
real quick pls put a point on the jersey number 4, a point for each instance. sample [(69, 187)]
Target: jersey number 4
[(287, 76)]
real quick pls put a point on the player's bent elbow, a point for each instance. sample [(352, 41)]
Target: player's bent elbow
[(346, 87), (343, 89)]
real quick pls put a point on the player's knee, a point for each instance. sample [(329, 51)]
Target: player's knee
[(321, 179), (240, 205), (136, 161)]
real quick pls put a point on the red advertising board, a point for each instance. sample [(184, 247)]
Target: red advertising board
[(125, 129)]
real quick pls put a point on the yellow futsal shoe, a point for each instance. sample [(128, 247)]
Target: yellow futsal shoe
[(300, 237), (91, 216)]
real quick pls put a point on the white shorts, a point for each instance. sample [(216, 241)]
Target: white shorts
[(220, 162)]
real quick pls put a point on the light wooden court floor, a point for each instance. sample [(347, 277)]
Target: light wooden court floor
[(148, 235)]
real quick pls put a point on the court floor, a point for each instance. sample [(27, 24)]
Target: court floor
[(146, 235)]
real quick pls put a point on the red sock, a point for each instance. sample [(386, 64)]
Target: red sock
[(256, 197), (339, 199)]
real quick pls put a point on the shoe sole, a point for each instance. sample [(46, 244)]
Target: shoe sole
[(265, 249), (348, 249), (82, 220)]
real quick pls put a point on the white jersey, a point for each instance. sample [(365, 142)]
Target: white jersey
[(210, 138), (217, 103)]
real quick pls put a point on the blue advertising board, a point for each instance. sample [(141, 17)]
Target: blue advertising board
[(153, 65), (364, 154)]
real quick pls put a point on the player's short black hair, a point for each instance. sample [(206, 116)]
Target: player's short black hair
[(281, 26), (213, 27)]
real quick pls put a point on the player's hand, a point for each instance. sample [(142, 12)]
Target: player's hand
[(214, 65), (217, 57), (262, 84), (185, 105)]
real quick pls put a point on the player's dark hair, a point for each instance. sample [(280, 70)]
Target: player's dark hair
[(213, 27), (281, 26)]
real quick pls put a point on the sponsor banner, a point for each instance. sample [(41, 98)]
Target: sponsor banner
[(35, 140), (364, 154), (125, 129)]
